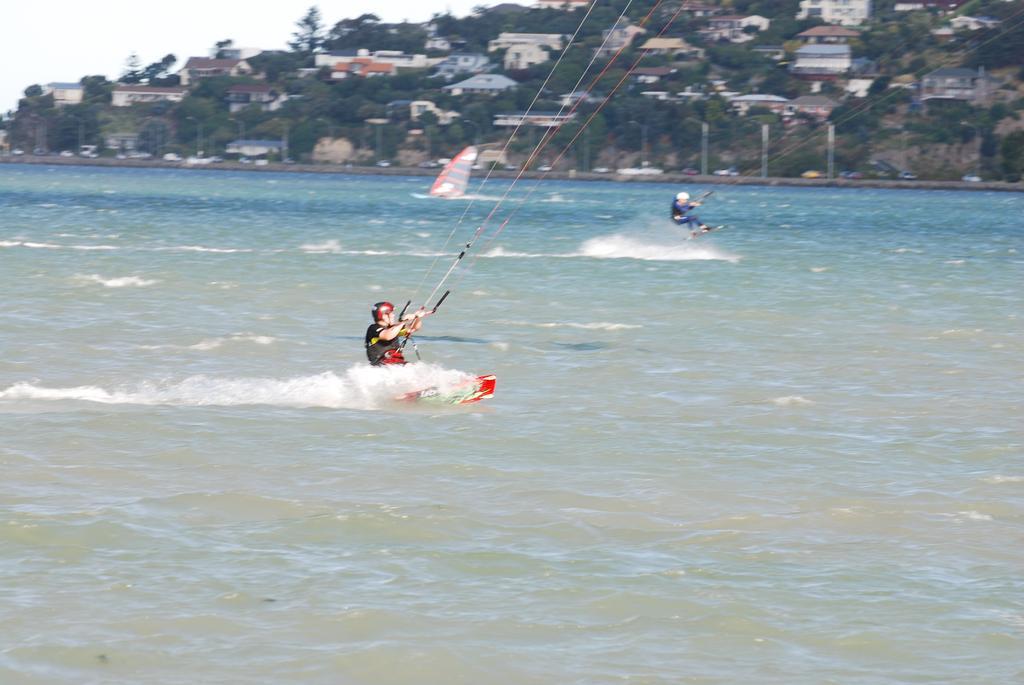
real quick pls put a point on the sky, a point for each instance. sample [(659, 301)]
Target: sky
[(45, 41)]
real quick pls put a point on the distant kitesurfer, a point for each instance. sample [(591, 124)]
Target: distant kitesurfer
[(681, 208), (384, 336)]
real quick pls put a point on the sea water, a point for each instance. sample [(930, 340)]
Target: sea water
[(791, 451)]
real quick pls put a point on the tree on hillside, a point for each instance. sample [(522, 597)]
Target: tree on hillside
[(1013, 156), (220, 46), (157, 73), (309, 37)]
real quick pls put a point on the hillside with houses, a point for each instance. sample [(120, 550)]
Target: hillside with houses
[(929, 89)]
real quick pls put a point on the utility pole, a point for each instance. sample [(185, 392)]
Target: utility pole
[(831, 149), (764, 150), (704, 148)]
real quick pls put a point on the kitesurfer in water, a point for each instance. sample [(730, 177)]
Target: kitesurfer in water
[(385, 334), (681, 208)]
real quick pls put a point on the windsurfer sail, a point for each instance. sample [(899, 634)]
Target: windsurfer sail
[(454, 178)]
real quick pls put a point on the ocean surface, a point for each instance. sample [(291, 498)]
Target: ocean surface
[(788, 452)]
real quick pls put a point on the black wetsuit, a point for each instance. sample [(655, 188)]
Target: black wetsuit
[(382, 351)]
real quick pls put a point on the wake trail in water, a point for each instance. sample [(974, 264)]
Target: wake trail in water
[(646, 247), (358, 387)]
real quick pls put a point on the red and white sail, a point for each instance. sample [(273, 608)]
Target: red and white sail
[(454, 178)]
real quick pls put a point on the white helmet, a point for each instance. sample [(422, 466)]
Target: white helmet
[(682, 197)]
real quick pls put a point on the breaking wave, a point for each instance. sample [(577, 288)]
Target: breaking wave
[(627, 247), (122, 282), (358, 387)]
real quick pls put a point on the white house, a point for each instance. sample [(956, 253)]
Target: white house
[(398, 59), (205, 67), (844, 12), (242, 95), (541, 119), (741, 104), (524, 56), (128, 95), (673, 47), (506, 40), (618, 37), (418, 108), (561, 4), (462, 63), (974, 23), (64, 93), (482, 84), (822, 62), (730, 27)]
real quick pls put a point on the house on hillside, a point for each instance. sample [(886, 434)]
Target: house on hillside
[(974, 23), (817, 106), (552, 41), (953, 83), (821, 62), (362, 67), (242, 95), (676, 48), (649, 75), (481, 84), (741, 104), (730, 28), (205, 67), (568, 5), (462, 63), (700, 9), (827, 34), (396, 58), (418, 108), (133, 94), (942, 6), (845, 12), (541, 119), (524, 56), (618, 37), (64, 93)]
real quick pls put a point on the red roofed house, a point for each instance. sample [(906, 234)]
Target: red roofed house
[(363, 67), (206, 67)]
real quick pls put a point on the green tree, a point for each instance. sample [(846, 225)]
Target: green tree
[(1013, 156), (309, 37)]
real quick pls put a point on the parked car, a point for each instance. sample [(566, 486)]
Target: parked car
[(429, 164), (908, 176), (510, 167), (172, 157), (811, 173), (601, 170), (971, 178), (731, 171), (690, 171), (383, 163), (544, 167), (67, 153), (854, 175)]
